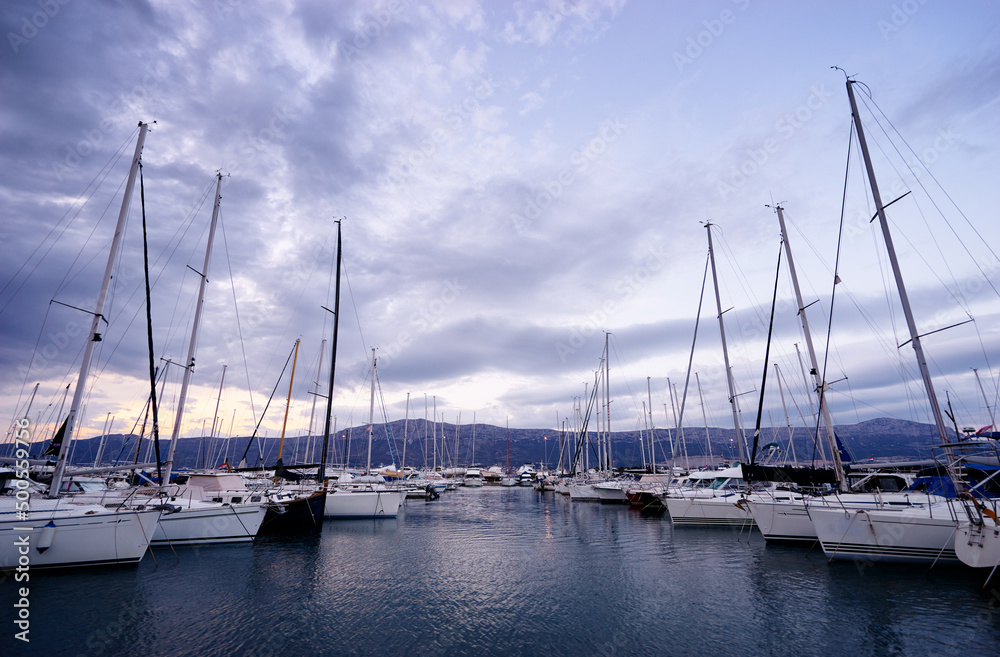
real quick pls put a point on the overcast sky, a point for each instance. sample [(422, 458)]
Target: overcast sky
[(514, 179)]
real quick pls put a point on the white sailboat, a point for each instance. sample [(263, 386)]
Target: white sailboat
[(367, 496), (48, 531), (199, 521), (923, 534)]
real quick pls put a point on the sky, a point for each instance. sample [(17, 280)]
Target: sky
[(514, 180)]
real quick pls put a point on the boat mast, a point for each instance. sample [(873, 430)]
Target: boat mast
[(371, 417), (312, 413), (215, 419), (896, 272), (189, 363), (406, 427), (288, 403), (321, 473), (704, 418), (88, 352), (652, 426), (821, 386), (607, 399), (725, 350)]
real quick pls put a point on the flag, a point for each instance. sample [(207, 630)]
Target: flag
[(980, 432)]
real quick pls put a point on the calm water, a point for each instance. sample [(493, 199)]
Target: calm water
[(500, 571)]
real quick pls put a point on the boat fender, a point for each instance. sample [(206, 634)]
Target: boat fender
[(46, 536)]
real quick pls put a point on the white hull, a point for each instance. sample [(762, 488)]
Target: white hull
[(611, 493), (583, 493), (782, 521), (363, 504), (60, 535), (978, 546), (208, 523), (787, 520), (708, 512), (917, 535)]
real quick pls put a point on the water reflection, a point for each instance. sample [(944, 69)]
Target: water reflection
[(494, 571)]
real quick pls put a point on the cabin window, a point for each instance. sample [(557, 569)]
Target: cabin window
[(237, 499)]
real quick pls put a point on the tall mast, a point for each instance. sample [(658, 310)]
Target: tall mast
[(95, 336), (406, 427), (288, 402), (725, 349), (896, 272), (371, 417), (312, 413), (321, 473), (704, 418), (821, 387), (652, 427), (215, 417), (189, 363), (607, 399)]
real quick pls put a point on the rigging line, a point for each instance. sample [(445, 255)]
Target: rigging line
[(915, 177), (149, 330), (106, 170), (767, 352), (385, 420), (31, 360), (239, 327), (256, 428), (627, 376), (694, 339), (887, 345), (137, 289), (936, 207), (69, 275), (833, 292), (354, 305)]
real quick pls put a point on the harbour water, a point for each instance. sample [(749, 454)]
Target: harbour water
[(506, 571)]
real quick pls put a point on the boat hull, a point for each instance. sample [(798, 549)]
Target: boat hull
[(978, 546), (294, 516), (207, 525), (919, 535), (708, 512), (72, 536), (362, 504)]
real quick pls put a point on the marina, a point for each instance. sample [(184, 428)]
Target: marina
[(494, 571), (448, 329)]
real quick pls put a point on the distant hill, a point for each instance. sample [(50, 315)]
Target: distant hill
[(880, 438)]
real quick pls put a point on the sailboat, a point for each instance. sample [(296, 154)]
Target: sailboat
[(39, 526), (716, 503), (916, 534), (199, 519), (367, 496)]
